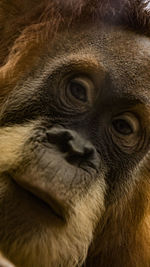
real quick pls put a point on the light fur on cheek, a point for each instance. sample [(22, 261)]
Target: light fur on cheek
[(4, 262), (12, 140)]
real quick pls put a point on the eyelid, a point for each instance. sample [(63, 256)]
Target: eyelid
[(84, 81), (131, 119)]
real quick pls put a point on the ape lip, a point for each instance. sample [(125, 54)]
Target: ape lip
[(53, 205)]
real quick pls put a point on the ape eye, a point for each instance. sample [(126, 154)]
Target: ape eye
[(81, 88), (78, 91), (125, 124), (121, 126)]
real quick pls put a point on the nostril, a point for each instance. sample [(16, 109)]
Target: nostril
[(88, 151), (53, 135), (60, 137), (75, 148), (67, 136), (78, 148), (57, 135)]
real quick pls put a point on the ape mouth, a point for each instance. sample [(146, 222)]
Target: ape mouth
[(55, 208)]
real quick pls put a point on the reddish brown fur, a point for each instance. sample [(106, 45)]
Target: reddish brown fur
[(54, 15), (123, 237)]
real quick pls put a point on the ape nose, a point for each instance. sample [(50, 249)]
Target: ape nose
[(79, 147), (71, 142)]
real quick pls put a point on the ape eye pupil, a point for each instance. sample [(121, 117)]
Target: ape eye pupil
[(121, 126), (78, 91)]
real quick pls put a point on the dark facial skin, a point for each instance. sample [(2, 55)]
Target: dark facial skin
[(75, 138)]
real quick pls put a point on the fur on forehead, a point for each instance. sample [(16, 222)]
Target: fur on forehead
[(131, 13), (26, 20)]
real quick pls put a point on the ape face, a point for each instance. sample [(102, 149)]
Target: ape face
[(74, 139)]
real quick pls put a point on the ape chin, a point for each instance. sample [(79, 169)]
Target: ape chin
[(74, 133)]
